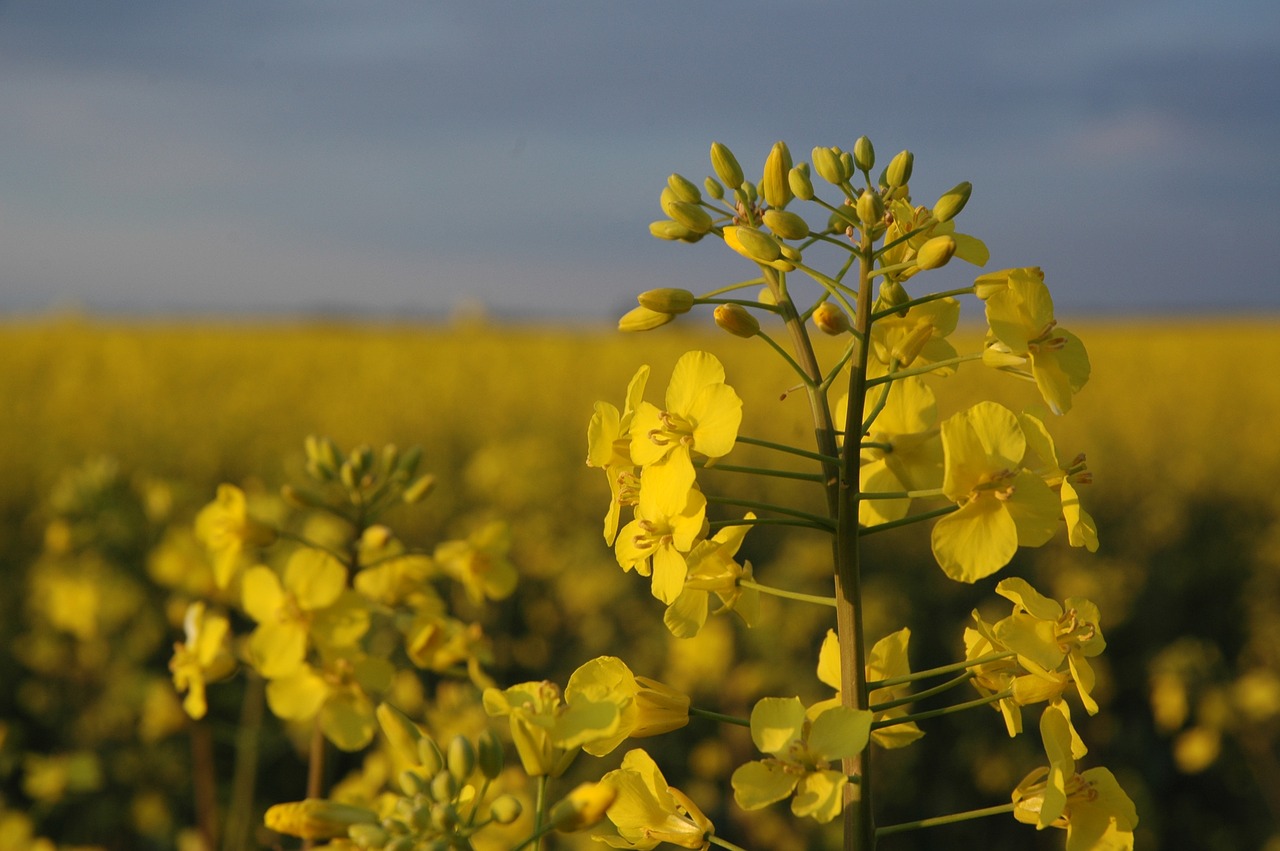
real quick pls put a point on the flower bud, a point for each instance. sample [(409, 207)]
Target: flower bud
[(826, 162), (936, 252), (444, 786), (643, 319), (411, 783), (505, 809), (673, 231), (952, 202), (713, 187), (899, 170), (402, 734), (316, 818), (410, 459), (584, 807), (691, 216), (843, 217), (830, 319), (368, 835), (418, 491), (667, 300), (870, 208), (461, 758), (892, 294), (684, 189), (737, 320), (489, 754), (801, 185), (429, 756), (774, 184), (864, 156), (726, 165), (786, 224), (752, 244)]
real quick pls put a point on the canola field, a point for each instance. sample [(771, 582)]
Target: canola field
[(114, 434)]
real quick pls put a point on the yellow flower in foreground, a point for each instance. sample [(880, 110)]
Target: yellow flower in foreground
[(1002, 506), (802, 753), (225, 528), (583, 807), (1081, 530), (646, 707), (712, 570), (547, 731), (204, 657), (655, 543), (339, 694), (648, 812), (887, 660), (702, 415), (609, 447)]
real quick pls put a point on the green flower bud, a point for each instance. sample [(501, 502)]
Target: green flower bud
[(429, 756), (402, 843), (367, 835), (936, 252), (952, 202), (404, 736), (801, 185), (505, 809), (870, 208), (847, 164), (443, 817), (713, 187), (737, 320), (691, 216), (643, 319), (753, 244), (684, 189), (411, 782), (444, 786), (584, 807), (899, 170), (864, 156), (774, 183), (410, 459), (843, 217), (362, 459), (673, 231), (418, 491), (726, 165), (892, 293), (490, 754), (390, 459), (347, 474), (786, 224), (826, 162), (667, 300), (461, 759), (830, 319)]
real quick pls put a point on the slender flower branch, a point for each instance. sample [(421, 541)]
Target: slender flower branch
[(782, 447), (767, 506), (724, 843), (719, 717), (926, 368), (785, 356), (762, 471), (938, 821), (946, 710), (870, 418), (770, 521), (745, 302), (944, 669), (790, 595), (920, 494), (907, 521), (907, 305), (741, 285), (832, 373), (921, 695)]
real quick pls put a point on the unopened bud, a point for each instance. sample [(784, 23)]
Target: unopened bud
[(936, 252), (753, 244), (864, 156), (402, 734), (737, 320), (713, 187), (691, 216), (952, 202), (368, 835), (429, 756), (786, 224), (412, 783), (643, 319), (892, 294), (316, 818), (673, 231), (418, 491), (726, 165), (684, 189), (489, 754), (390, 459), (801, 185), (461, 759), (774, 184), (444, 786), (898, 171), (584, 807), (505, 809), (842, 218), (830, 319), (667, 300), (870, 208), (300, 498), (826, 162), (410, 459)]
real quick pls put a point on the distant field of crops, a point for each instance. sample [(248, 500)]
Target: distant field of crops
[(1179, 422)]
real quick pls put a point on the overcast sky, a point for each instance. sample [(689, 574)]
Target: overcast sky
[(296, 155)]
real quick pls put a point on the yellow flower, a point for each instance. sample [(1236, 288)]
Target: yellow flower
[(1001, 506), (225, 528), (548, 732), (1024, 338), (204, 657), (887, 660), (583, 807), (899, 341), (702, 415), (1081, 530), (480, 563), (393, 576), (802, 752), (316, 818), (712, 569), (648, 812), (655, 543), (609, 447), (646, 707), (905, 452), (338, 693)]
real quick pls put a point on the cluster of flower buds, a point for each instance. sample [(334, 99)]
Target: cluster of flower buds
[(364, 477)]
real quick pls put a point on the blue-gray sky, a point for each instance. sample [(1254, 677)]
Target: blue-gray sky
[(268, 155)]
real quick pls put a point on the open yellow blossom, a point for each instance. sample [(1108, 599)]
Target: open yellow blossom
[(657, 541), (648, 812), (609, 447), (887, 660), (1001, 505), (338, 694), (480, 562), (548, 732), (802, 751), (1081, 530), (903, 449), (646, 707), (204, 657), (713, 570), (225, 528)]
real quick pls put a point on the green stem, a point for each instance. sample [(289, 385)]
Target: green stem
[(741, 285), (826, 526), (245, 773), (926, 368), (789, 595), (944, 669), (921, 695), (888, 245), (782, 447), (767, 506), (762, 471), (907, 305), (540, 814), (719, 716), (839, 365), (724, 843), (938, 821), (946, 710), (907, 521), (920, 494), (785, 355), (744, 302), (870, 419), (832, 286)]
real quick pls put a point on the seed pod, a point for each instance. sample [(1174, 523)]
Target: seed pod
[(737, 320), (801, 185), (643, 319), (786, 224), (774, 184), (864, 156), (667, 300), (936, 252), (952, 202), (684, 189), (726, 165), (899, 170), (691, 216), (826, 162)]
